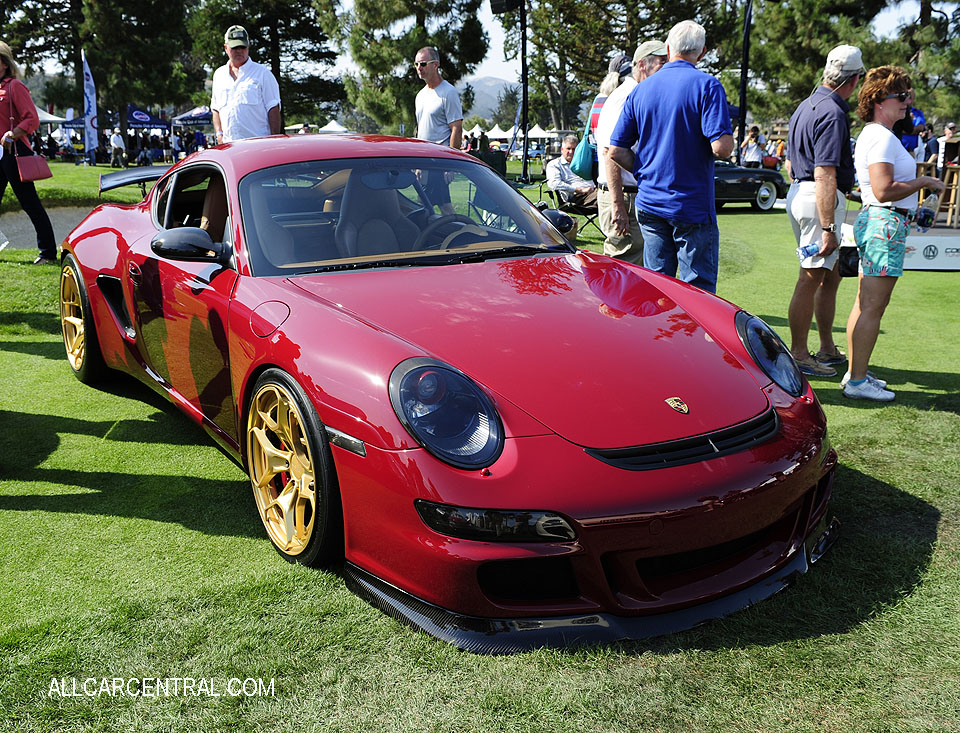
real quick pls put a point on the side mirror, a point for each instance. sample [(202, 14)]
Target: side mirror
[(563, 222), (189, 244)]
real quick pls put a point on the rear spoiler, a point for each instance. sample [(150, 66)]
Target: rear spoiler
[(140, 175)]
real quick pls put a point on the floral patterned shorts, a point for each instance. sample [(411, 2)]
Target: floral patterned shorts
[(881, 236)]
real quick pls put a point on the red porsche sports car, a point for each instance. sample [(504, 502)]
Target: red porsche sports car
[(508, 442)]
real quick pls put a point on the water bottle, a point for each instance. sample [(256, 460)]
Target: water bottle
[(808, 250), (927, 213)]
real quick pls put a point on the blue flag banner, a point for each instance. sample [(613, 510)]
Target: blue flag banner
[(89, 109)]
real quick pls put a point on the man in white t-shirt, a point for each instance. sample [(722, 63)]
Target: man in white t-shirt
[(117, 150), (613, 182), (246, 96), (439, 119), (949, 131)]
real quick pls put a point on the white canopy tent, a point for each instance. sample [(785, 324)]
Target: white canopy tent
[(333, 126), (47, 118), (537, 132), (476, 131), (497, 134)]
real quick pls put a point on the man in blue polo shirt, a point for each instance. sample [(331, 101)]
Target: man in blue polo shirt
[(821, 166), (679, 119)]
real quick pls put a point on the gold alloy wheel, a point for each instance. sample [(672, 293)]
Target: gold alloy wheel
[(71, 317), (281, 468)]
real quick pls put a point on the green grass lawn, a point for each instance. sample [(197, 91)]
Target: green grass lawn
[(74, 185), (131, 548)]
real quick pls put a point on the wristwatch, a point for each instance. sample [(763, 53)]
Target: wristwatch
[(831, 228)]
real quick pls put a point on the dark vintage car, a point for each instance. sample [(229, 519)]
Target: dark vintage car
[(434, 400), (760, 187)]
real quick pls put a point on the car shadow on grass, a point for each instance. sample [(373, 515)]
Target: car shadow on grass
[(35, 321), (886, 544), (46, 349), (209, 505)]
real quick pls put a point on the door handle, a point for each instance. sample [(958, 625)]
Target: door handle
[(134, 272)]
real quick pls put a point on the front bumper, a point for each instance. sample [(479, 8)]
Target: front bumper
[(510, 635)]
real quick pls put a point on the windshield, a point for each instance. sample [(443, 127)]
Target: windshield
[(375, 212)]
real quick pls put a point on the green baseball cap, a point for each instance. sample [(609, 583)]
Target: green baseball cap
[(236, 37)]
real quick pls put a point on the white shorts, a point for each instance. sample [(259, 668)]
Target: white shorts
[(802, 212)]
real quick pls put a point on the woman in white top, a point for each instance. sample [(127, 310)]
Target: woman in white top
[(889, 186)]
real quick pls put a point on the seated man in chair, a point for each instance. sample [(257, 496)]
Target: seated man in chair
[(571, 188)]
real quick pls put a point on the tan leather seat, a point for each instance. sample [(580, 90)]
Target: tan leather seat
[(214, 216), (371, 221)]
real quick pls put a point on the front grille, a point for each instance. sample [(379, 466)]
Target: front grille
[(692, 450)]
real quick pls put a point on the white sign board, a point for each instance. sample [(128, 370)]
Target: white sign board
[(932, 253)]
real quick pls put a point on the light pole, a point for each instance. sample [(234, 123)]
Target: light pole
[(744, 69), (506, 6)]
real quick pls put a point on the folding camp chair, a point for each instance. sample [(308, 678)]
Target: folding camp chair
[(590, 213)]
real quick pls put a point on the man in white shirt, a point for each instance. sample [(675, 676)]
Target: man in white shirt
[(626, 243), (117, 150), (562, 179), (949, 131), (246, 96), (439, 119)]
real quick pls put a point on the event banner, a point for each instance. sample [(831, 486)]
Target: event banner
[(89, 107)]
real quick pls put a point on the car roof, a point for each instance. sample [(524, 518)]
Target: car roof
[(244, 156)]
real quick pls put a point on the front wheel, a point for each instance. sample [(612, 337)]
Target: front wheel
[(291, 471), (76, 323), (766, 196)]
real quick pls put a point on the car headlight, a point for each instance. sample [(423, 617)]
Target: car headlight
[(446, 413), (770, 353)]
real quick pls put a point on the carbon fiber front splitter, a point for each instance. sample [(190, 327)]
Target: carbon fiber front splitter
[(507, 636)]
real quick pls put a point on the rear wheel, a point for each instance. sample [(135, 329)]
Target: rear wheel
[(76, 323), (766, 196), (291, 471)]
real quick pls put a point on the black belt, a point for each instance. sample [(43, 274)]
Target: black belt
[(626, 189), (909, 213)]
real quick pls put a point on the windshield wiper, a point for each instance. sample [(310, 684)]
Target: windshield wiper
[(517, 249), (447, 257)]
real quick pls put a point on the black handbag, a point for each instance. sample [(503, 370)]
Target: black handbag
[(849, 261)]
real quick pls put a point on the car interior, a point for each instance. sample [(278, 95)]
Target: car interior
[(310, 216)]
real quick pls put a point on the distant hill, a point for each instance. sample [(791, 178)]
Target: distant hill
[(486, 90)]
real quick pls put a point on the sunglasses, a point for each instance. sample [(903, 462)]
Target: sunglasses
[(901, 96), (421, 64)]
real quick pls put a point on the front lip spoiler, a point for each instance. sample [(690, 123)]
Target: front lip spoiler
[(507, 636)]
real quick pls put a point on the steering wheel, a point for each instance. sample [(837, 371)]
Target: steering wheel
[(433, 226)]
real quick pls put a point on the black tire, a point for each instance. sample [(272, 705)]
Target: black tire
[(316, 524), (76, 324), (765, 197)]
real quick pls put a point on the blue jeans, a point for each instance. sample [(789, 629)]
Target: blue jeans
[(682, 250)]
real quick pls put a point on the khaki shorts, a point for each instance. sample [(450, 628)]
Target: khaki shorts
[(802, 212)]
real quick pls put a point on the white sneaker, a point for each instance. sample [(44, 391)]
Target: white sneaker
[(868, 390), (870, 375)]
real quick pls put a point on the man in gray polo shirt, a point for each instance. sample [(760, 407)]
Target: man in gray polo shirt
[(821, 166), (439, 119)]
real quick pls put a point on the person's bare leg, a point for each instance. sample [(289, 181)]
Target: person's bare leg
[(825, 308), (800, 312), (872, 300)]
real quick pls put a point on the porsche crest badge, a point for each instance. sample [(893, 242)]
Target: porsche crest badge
[(677, 404)]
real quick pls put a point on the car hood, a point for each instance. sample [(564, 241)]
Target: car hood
[(591, 348)]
